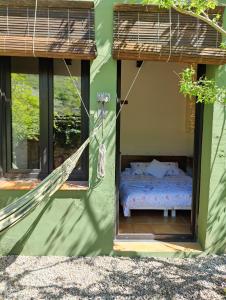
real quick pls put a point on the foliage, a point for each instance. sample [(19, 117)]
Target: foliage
[(67, 130), (196, 5), (25, 107), (205, 90), (67, 112), (66, 98)]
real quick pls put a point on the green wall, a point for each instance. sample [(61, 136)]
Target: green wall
[(82, 223), (77, 223), (212, 212), (212, 217)]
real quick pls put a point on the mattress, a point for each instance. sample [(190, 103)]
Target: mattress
[(149, 192)]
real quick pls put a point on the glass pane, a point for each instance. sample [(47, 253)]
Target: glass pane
[(67, 111), (25, 113)]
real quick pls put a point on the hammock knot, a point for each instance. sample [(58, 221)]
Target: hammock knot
[(101, 162)]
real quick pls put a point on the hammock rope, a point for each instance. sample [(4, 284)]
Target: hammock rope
[(170, 34), (24, 205), (75, 83), (17, 210), (34, 31), (129, 90)]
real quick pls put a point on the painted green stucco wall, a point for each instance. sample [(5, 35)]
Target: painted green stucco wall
[(77, 223), (82, 223), (212, 216), (212, 211)]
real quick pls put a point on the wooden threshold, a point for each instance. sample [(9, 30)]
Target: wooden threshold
[(168, 238), (156, 247)]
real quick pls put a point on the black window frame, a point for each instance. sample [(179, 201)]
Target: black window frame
[(46, 84)]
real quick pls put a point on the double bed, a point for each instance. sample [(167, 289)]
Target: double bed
[(147, 192)]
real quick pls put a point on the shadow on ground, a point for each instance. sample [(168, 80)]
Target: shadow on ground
[(110, 278)]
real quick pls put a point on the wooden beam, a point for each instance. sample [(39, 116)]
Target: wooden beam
[(118, 55), (48, 3), (147, 52), (60, 55)]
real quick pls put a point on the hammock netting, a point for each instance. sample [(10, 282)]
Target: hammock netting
[(20, 208)]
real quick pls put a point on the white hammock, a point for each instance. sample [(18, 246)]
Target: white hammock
[(17, 210)]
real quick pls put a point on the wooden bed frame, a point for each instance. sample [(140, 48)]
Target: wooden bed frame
[(127, 159), (183, 161)]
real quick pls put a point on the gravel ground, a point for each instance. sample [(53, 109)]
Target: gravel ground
[(112, 278)]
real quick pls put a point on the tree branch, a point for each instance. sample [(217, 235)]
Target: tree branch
[(204, 18)]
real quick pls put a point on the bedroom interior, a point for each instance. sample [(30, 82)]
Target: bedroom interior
[(156, 152)]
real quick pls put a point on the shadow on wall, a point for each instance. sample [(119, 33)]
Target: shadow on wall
[(74, 223), (8, 197), (64, 225), (216, 221), (103, 43), (216, 227)]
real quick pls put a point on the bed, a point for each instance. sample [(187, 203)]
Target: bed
[(170, 193)]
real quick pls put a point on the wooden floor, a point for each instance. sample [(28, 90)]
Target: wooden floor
[(153, 222)]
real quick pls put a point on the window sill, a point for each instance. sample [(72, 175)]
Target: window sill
[(26, 185)]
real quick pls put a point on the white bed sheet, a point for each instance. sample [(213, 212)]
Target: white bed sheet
[(149, 192)]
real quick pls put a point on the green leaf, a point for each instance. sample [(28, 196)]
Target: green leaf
[(204, 90)]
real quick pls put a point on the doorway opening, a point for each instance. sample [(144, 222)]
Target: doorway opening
[(158, 157)]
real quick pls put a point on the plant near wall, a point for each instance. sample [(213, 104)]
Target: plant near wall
[(204, 89)]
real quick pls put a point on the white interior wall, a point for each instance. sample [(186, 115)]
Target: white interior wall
[(154, 121)]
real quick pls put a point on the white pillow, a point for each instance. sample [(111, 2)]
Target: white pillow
[(157, 169), (139, 168), (173, 169)]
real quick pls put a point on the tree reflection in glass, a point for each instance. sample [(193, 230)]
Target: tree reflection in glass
[(25, 115), (67, 113)]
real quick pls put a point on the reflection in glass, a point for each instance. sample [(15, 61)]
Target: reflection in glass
[(67, 113), (25, 114)]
